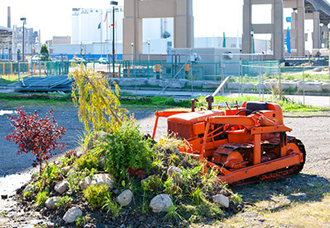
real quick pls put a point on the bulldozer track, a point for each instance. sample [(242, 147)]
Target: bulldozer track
[(278, 174)]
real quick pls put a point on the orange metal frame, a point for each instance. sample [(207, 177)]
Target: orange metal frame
[(255, 126)]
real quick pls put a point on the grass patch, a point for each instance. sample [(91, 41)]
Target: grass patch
[(157, 101), (55, 99), (36, 99), (10, 78), (286, 104)]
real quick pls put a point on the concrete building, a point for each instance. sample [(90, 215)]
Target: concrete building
[(85, 23), (6, 37), (61, 40), (31, 41)]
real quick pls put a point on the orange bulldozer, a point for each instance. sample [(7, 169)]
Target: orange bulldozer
[(245, 144)]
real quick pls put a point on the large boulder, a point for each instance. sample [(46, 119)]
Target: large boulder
[(125, 198), (160, 203), (72, 214), (51, 202), (62, 186)]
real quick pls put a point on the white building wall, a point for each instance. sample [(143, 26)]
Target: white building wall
[(75, 26)]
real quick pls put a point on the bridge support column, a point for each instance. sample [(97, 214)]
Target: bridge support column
[(316, 35), (275, 28), (297, 26), (135, 11), (316, 30), (324, 36)]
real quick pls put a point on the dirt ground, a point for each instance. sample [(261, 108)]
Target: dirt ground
[(313, 132)]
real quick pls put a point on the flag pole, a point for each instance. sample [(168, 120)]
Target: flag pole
[(106, 15)]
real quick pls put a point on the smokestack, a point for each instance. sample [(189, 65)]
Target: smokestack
[(8, 18)]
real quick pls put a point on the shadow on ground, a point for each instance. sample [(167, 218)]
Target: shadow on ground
[(276, 195)]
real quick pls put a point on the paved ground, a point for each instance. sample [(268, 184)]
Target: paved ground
[(11, 163)]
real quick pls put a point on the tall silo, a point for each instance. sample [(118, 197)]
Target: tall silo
[(95, 18), (75, 26), (84, 26)]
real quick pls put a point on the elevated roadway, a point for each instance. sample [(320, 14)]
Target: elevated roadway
[(323, 6)]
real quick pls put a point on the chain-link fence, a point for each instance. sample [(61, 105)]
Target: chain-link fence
[(188, 74)]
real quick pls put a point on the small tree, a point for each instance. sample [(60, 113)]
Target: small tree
[(36, 135), (98, 104), (44, 53)]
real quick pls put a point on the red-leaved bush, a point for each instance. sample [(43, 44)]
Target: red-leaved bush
[(36, 135)]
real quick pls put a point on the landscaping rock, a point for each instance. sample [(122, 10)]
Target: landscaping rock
[(72, 214), (62, 186), (28, 188), (51, 202), (79, 152), (222, 200), (102, 162), (175, 173), (65, 170), (97, 179), (146, 179), (125, 198), (85, 183), (160, 203)]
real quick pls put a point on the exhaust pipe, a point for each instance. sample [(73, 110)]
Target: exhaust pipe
[(210, 98)]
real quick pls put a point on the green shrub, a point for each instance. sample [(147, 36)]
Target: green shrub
[(96, 195), (126, 149), (153, 185), (88, 161), (197, 195), (172, 215), (41, 197), (64, 202), (111, 206)]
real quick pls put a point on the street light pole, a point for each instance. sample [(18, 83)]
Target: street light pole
[(24, 21), (113, 3), (148, 50)]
